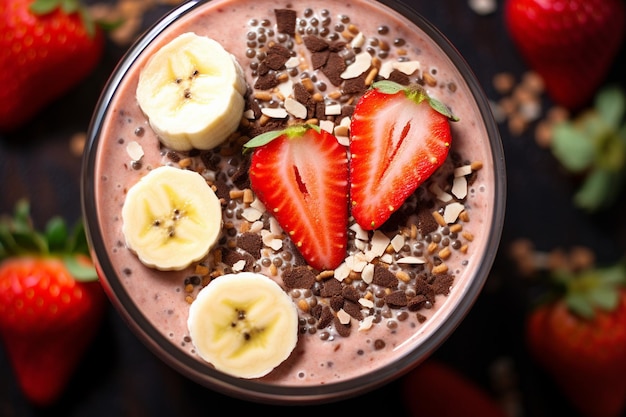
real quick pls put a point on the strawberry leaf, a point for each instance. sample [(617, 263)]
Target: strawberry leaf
[(80, 272), (416, 93), (42, 7), (56, 234), (572, 147), (611, 105), (18, 237), (598, 190), (267, 137)]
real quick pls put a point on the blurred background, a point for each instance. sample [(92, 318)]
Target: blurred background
[(119, 376)]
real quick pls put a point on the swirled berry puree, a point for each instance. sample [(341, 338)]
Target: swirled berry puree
[(396, 282)]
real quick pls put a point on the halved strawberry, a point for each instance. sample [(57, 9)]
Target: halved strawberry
[(399, 136), (301, 175)]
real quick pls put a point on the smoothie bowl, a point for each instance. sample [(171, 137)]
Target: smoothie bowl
[(293, 202)]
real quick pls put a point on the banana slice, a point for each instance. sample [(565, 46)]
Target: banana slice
[(192, 91), (244, 324), (171, 218)]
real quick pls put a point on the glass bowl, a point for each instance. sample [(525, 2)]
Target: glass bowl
[(153, 303)]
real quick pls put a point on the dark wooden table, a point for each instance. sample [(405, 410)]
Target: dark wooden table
[(120, 377)]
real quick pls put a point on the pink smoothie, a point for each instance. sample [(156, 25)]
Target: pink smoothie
[(443, 257)]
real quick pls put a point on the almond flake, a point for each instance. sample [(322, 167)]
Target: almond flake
[(379, 245), (343, 140), (417, 260), (368, 274), (397, 242), (274, 112), (342, 272), (358, 40), (385, 69), (251, 214), (292, 62), (360, 233), (332, 110), (462, 171), (295, 108), (285, 88), (386, 258), (249, 114), (439, 193), (362, 61), (344, 318), (459, 187), (134, 150), (257, 227), (452, 211), (366, 323), (366, 302), (257, 204), (275, 227), (239, 265), (327, 125), (407, 67)]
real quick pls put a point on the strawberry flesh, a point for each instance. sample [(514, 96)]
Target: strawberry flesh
[(396, 144), (301, 177)]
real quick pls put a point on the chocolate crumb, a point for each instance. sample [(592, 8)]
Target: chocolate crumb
[(331, 287), (350, 293), (277, 55), (336, 302), (417, 302), (240, 177), (222, 189), (334, 67), (326, 317), (266, 82), (442, 284), (319, 59), (342, 329), (425, 222), (420, 317), (384, 278), (285, 21), (315, 43), (399, 77), (355, 85), (231, 257), (299, 277), (252, 243), (396, 299), (353, 309)]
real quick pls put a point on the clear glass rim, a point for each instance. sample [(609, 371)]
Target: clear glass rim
[(254, 390)]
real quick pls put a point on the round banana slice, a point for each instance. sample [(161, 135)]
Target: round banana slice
[(192, 92), (244, 324), (171, 218)]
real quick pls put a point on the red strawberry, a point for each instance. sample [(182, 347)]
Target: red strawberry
[(399, 136), (570, 43), (47, 316), (581, 341), (436, 389), (46, 48), (301, 175)]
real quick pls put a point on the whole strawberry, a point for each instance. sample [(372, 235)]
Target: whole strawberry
[(46, 48), (51, 304), (580, 339), (570, 43)]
